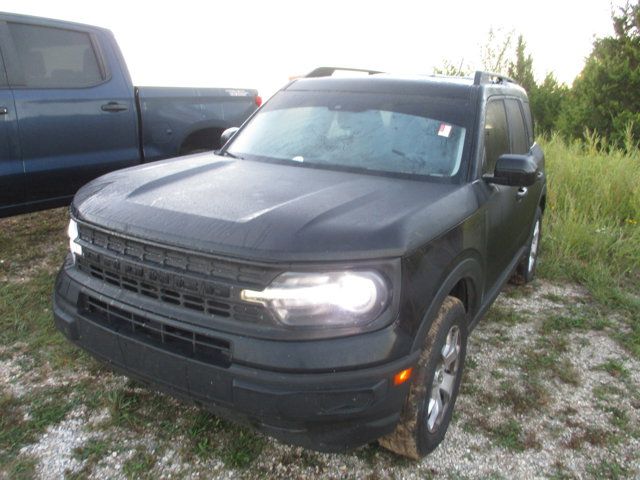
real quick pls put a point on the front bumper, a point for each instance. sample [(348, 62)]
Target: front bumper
[(322, 409)]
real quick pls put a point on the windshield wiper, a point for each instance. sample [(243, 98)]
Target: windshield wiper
[(227, 153)]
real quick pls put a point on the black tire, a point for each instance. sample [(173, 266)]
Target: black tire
[(413, 437), (526, 270)]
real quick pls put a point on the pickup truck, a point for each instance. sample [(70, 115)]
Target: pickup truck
[(69, 112), (319, 275)]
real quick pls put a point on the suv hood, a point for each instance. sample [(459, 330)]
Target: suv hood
[(272, 212)]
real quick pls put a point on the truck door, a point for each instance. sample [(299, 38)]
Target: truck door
[(11, 171), (75, 106)]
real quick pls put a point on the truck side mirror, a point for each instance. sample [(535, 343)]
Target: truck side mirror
[(227, 134), (514, 170)]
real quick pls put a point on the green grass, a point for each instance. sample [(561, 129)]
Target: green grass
[(615, 368), (592, 226), (607, 469), (34, 239), (45, 407), (508, 435), (139, 465), (23, 468), (235, 445), (95, 448), (503, 315)]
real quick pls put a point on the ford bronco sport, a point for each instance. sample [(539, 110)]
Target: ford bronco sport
[(318, 276)]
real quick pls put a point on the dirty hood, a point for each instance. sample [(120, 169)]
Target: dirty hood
[(271, 212)]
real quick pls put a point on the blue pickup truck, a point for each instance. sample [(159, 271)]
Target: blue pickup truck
[(69, 112)]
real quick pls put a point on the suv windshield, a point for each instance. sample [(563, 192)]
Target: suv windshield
[(381, 132)]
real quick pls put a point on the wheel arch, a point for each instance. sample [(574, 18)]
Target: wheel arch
[(463, 281), (205, 138)]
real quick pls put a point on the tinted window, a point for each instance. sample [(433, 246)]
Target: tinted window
[(391, 133), (528, 120), (519, 137), (52, 57), (496, 136)]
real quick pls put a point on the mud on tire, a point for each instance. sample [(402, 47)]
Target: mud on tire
[(412, 437)]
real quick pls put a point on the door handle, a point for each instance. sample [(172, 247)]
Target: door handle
[(522, 192), (4, 110), (114, 107)]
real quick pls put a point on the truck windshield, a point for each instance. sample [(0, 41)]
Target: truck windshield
[(379, 132)]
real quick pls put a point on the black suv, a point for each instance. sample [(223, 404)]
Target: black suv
[(317, 277)]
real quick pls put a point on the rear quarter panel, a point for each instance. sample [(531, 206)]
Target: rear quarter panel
[(169, 115)]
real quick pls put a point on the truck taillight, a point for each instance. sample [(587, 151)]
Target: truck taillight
[(258, 100)]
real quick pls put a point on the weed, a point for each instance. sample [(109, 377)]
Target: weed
[(615, 368), (619, 418), (508, 435), (532, 396), (592, 436), (552, 297), (605, 392), (94, 448), (503, 315), (607, 469), (242, 448), (139, 465), (22, 468), (561, 323)]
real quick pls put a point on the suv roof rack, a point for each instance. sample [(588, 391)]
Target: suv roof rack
[(481, 77), (328, 71)]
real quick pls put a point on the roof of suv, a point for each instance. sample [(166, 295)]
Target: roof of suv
[(437, 85)]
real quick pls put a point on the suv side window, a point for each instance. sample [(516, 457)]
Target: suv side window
[(496, 135), (529, 121), (55, 58), (517, 129)]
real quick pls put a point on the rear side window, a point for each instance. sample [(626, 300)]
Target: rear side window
[(529, 121), (55, 58), (517, 129), (496, 135)]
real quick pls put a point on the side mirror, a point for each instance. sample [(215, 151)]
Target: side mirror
[(227, 134), (514, 170)]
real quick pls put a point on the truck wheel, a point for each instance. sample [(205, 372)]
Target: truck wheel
[(526, 269), (429, 405)]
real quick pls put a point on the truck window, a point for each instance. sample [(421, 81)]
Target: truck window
[(496, 136), (55, 58), (517, 129)]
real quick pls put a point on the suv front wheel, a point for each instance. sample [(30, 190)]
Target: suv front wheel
[(429, 405)]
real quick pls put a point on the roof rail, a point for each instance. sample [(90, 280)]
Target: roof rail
[(328, 71), (489, 77)]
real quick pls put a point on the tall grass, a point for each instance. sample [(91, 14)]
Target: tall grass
[(592, 222)]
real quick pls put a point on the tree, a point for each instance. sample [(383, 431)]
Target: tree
[(495, 54), (606, 95), (451, 70), (522, 70), (547, 102)]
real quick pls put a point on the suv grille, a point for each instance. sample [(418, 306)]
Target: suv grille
[(197, 283), (177, 340)]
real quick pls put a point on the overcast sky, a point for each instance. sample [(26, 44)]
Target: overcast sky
[(259, 44)]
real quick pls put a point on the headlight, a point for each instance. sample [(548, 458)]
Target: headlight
[(347, 298), (72, 231)]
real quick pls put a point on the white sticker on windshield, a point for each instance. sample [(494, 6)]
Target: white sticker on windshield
[(298, 158), (444, 130)]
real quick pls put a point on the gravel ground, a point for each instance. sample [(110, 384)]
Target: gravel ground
[(546, 393)]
